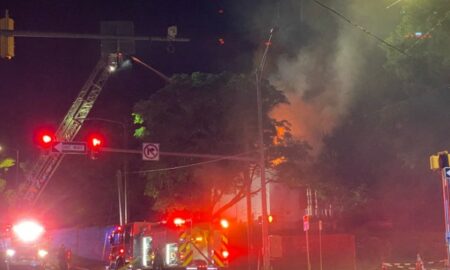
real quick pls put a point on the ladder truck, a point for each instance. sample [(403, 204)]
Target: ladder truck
[(47, 163)]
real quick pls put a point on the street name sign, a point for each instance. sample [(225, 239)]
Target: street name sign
[(70, 148)]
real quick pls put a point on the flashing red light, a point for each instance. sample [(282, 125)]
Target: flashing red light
[(119, 228), (45, 138), (225, 254), (121, 251), (305, 218), (95, 141), (179, 221), (221, 41), (224, 223)]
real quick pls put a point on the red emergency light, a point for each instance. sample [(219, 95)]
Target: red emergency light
[(224, 223), (225, 254), (179, 221)]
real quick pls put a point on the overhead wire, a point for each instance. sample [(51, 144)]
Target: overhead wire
[(404, 52), (343, 17), (439, 22), (189, 165)]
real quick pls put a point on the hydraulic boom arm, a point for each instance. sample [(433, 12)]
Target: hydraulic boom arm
[(47, 163)]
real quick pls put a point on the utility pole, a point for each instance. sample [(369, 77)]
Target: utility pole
[(124, 161), (265, 250), (119, 195), (306, 229), (320, 243)]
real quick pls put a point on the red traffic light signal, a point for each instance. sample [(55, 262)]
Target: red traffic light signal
[(45, 138), (95, 143)]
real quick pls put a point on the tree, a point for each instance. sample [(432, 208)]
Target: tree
[(422, 35), (210, 114), (5, 193)]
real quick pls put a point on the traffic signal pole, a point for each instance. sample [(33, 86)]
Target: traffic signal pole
[(445, 195), (440, 161), (8, 33)]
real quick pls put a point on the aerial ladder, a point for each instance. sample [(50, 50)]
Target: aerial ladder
[(47, 163), (115, 33)]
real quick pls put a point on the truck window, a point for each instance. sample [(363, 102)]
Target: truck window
[(127, 234), (116, 238)]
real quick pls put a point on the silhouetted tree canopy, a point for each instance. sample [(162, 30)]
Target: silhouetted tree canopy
[(209, 114)]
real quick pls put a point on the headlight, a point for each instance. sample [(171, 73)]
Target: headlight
[(28, 230), (10, 252), (42, 253)]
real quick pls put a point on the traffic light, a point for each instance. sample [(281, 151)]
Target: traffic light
[(439, 161), (45, 138), (270, 219), (95, 143), (6, 42)]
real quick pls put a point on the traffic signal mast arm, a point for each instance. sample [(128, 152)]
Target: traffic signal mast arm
[(47, 163), (33, 34), (238, 157)]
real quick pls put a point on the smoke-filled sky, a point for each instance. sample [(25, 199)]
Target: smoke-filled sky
[(323, 63), (324, 60)]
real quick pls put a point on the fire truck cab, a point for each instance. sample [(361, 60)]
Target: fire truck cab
[(25, 245), (176, 245)]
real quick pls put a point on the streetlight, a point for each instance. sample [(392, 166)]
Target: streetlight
[(125, 164)]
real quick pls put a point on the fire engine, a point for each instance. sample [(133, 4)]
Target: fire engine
[(178, 244), (25, 245)]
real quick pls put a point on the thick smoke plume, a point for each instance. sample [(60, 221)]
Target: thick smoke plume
[(321, 69)]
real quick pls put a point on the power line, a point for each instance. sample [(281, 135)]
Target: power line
[(189, 165), (439, 22), (177, 167), (340, 15), (405, 52)]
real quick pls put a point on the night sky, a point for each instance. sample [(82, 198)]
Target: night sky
[(40, 83)]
